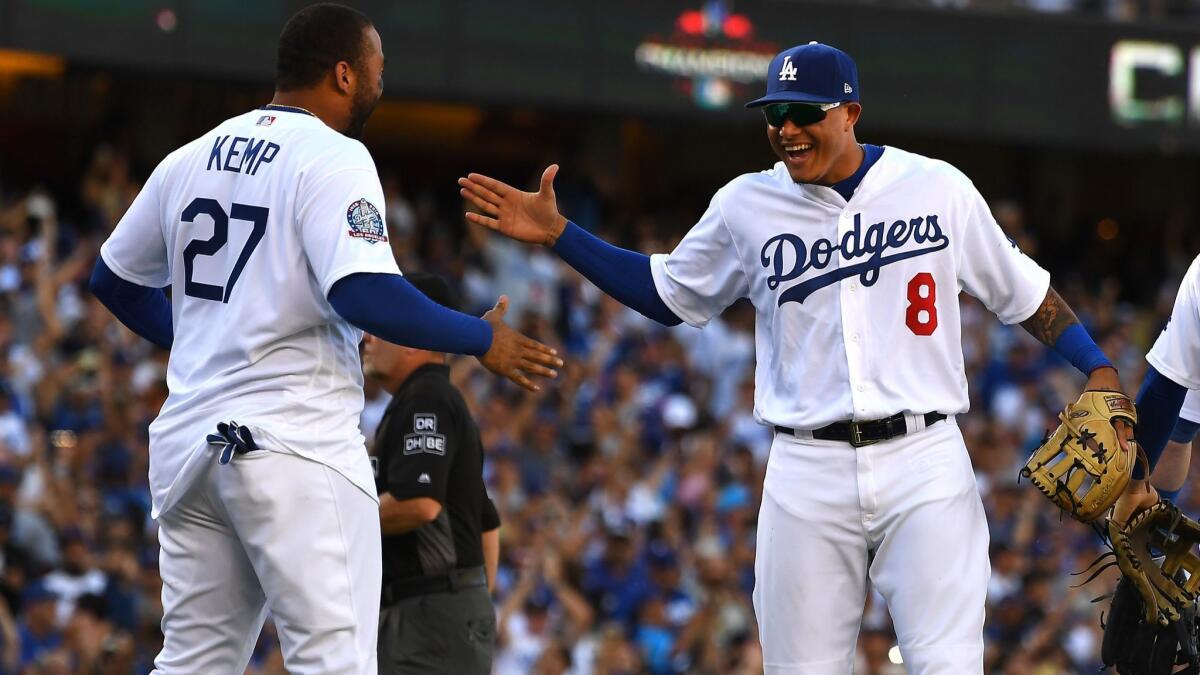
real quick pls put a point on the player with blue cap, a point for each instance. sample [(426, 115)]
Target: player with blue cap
[(853, 256)]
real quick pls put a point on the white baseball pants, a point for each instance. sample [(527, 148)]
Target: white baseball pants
[(904, 513), (270, 532)]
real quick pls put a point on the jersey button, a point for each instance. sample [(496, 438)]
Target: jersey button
[(862, 387)]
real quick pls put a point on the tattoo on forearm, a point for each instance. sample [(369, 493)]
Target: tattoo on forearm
[(1051, 319)]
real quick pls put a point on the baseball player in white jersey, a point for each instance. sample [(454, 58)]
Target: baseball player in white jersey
[(1168, 401), (853, 256), (1176, 352), (269, 230)]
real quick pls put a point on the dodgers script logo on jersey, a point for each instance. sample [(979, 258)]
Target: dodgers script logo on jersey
[(872, 243), (365, 222)]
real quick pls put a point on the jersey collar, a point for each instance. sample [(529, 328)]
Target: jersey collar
[(286, 108)]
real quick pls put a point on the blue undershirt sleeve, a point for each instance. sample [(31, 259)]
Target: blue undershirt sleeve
[(1158, 404), (388, 307), (1185, 431), (1077, 347), (144, 310), (623, 274)]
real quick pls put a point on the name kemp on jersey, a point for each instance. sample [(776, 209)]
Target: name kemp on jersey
[(242, 155), (856, 243)]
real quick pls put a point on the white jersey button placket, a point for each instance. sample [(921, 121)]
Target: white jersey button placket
[(851, 312)]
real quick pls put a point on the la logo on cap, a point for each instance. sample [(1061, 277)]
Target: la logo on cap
[(787, 71)]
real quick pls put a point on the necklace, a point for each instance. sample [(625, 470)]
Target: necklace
[(288, 108)]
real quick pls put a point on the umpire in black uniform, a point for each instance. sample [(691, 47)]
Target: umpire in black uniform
[(440, 539)]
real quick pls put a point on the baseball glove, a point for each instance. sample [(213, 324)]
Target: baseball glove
[(1168, 589), (1082, 466), (1134, 647)]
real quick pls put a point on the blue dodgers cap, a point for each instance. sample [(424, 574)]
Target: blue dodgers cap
[(811, 73)]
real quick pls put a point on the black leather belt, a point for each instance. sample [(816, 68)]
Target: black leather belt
[(398, 589), (859, 434)]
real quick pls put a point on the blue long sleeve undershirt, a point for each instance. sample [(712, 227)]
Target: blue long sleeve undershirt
[(144, 310), (389, 307), (1158, 404), (623, 274), (1077, 346), (384, 305)]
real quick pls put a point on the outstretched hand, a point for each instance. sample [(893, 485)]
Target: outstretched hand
[(514, 356), (531, 217)]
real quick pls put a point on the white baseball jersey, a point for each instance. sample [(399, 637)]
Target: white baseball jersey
[(857, 302), (1176, 352), (1191, 406), (251, 225)]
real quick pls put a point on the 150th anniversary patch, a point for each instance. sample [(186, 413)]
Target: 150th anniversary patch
[(365, 222)]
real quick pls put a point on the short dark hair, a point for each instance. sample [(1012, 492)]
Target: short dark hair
[(315, 40)]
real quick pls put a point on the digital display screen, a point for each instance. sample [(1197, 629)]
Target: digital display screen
[(1021, 77)]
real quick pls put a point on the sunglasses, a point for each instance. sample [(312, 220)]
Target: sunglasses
[(800, 114)]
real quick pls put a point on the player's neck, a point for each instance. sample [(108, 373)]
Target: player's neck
[(314, 103), (847, 165)]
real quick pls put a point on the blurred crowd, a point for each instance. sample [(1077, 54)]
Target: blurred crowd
[(628, 490)]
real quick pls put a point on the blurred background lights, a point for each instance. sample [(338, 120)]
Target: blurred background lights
[(166, 20)]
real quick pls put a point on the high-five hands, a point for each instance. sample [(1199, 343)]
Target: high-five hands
[(515, 356), (531, 217)]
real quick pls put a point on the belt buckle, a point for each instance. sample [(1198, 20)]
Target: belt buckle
[(856, 438)]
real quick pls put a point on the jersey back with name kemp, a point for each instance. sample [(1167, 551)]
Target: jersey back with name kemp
[(250, 225)]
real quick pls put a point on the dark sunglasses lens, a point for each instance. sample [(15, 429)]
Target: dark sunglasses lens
[(799, 113), (775, 113)]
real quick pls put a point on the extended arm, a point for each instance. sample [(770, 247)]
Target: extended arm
[(146, 311), (1055, 325), (621, 273), (1170, 473), (397, 516), (1172, 469), (534, 218), (387, 306), (1158, 404)]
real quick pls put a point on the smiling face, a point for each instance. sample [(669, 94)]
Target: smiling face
[(823, 152)]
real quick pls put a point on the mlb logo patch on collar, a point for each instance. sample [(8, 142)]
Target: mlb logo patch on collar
[(265, 121), (365, 222)]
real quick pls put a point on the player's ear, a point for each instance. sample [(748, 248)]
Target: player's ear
[(344, 77), (853, 111)]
